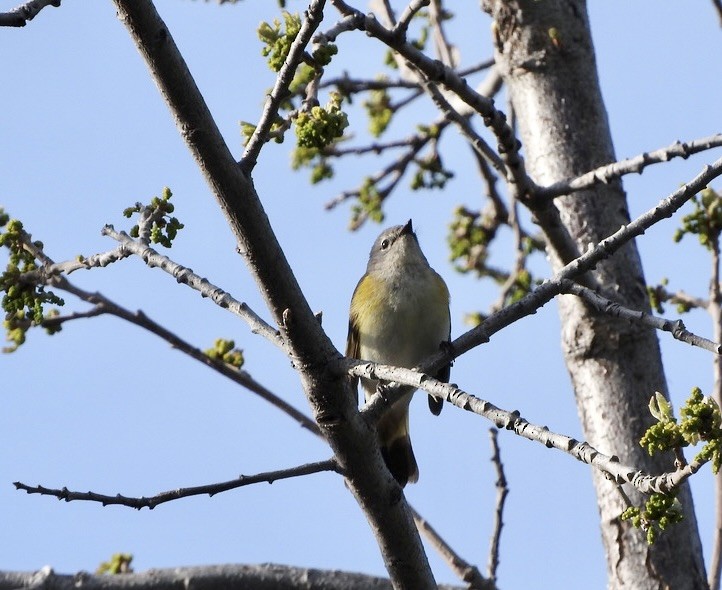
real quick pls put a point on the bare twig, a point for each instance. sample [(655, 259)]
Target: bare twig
[(467, 572), (19, 17), (609, 172), (604, 305), (462, 123), (402, 26), (501, 492), (103, 305), (209, 489), (187, 277), (314, 16), (437, 72)]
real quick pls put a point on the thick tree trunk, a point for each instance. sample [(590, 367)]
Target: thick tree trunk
[(547, 59)]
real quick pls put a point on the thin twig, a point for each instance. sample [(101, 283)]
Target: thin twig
[(469, 573), (609, 172), (612, 308), (437, 72), (462, 123), (103, 305), (501, 493), (187, 277), (161, 498), (314, 16)]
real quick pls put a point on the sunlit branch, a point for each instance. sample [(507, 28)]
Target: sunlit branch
[(187, 277), (437, 72), (209, 489), (314, 16), (612, 308), (609, 172), (508, 420), (462, 123), (715, 311), (402, 25)]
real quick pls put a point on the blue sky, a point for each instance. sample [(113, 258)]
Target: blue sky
[(104, 406)]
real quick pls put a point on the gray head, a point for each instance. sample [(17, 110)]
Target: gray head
[(396, 248)]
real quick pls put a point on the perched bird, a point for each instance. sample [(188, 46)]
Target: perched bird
[(399, 316)]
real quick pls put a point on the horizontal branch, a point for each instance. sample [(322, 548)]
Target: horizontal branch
[(206, 577), (676, 328), (209, 489), (187, 277), (636, 165)]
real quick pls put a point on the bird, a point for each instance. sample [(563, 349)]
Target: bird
[(399, 315)]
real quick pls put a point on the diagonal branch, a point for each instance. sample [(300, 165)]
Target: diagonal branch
[(604, 305), (103, 305), (354, 444), (314, 16), (467, 572), (186, 276), (581, 451), (163, 497)]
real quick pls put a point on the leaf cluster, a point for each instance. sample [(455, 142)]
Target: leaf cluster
[(320, 127), (659, 512), (156, 219), (225, 351), (23, 300), (278, 38), (700, 422), (705, 221)]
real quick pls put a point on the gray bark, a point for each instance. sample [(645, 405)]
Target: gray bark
[(547, 59)]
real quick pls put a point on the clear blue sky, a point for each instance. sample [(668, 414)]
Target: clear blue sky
[(104, 406)]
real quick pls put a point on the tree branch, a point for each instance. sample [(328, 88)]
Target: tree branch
[(177, 494), (581, 451), (333, 402), (604, 305), (469, 573), (186, 276), (19, 17), (103, 305), (314, 16), (636, 165), (437, 72), (207, 577), (501, 493)]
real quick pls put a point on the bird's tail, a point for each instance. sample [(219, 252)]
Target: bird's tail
[(396, 448)]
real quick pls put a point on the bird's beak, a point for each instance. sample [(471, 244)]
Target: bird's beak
[(407, 229)]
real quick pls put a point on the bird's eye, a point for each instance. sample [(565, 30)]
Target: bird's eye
[(385, 244)]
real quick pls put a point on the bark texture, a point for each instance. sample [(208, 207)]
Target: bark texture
[(547, 59)]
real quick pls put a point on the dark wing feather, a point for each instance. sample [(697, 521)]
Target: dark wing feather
[(353, 350)]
